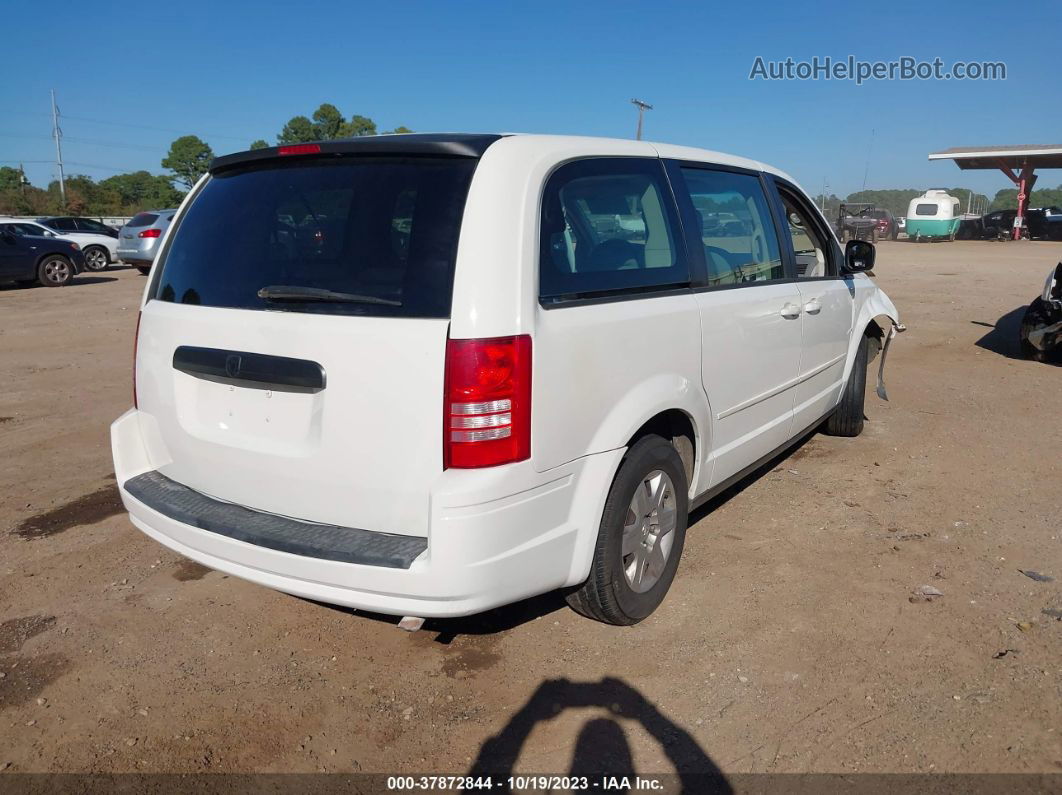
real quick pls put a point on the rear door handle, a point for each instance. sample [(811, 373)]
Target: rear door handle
[(278, 372), (813, 306), (790, 311)]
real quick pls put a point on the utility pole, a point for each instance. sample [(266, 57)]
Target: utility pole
[(58, 134), (642, 108), (822, 201)]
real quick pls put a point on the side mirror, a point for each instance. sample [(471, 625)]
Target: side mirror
[(858, 256)]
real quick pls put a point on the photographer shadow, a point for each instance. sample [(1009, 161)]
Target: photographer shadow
[(601, 749)]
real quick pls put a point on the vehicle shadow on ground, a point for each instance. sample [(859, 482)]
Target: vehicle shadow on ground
[(725, 496), (1003, 336), (601, 748), (507, 617), (77, 281), (500, 619)]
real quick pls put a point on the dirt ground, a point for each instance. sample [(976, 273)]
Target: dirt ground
[(789, 641)]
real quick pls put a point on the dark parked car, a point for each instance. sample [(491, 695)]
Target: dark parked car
[(1044, 223), (27, 258), (1041, 223), (888, 228), (69, 223), (998, 224)]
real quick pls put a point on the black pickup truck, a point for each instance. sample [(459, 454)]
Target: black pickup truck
[(28, 258)]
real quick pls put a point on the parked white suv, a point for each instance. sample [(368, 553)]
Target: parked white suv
[(428, 375)]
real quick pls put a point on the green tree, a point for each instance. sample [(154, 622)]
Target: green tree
[(328, 122), (298, 130), (359, 126), (141, 191), (401, 128), (189, 159), (1007, 199), (259, 144), (10, 178)]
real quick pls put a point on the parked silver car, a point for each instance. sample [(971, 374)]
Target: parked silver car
[(138, 240)]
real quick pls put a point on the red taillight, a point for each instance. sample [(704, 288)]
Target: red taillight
[(487, 411), (150, 233), (136, 342), (299, 149)]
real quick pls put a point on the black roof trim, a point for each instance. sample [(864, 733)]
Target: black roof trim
[(445, 144)]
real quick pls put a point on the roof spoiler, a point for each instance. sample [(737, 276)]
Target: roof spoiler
[(430, 144)]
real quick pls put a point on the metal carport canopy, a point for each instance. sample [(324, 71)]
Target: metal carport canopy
[(1018, 163)]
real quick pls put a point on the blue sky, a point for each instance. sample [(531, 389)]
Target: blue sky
[(131, 77)]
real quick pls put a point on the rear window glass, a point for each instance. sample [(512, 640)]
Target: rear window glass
[(142, 219), (926, 209), (366, 236)]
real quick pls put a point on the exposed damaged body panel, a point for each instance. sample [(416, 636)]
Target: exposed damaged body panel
[(1041, 327)]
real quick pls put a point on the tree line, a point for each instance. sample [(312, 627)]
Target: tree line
[(187, 160), (189, 157)]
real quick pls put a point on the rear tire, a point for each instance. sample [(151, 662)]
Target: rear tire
[(97, 258), (55, 270), (640, 539), (847, 418)]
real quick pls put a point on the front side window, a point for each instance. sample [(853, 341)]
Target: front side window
[(63, 224), (740, 243), (608, 225), (810, 247)]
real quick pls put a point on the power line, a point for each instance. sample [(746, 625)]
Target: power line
[(150, 127), (90, 141)]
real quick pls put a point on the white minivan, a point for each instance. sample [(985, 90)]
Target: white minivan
[(428, 375)]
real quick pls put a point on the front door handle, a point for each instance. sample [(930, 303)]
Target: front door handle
[(790, 311), (813, 306)]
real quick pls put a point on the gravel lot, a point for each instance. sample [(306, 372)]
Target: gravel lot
[(789, 641)]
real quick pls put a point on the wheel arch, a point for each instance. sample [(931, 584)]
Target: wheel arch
[(101, 247), (45, 255), (877, 316), (668, 405)]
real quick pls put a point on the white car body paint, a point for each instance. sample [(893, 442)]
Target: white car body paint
[(366, 452)]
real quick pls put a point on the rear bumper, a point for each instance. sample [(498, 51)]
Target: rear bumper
[(136, 254), (495, 537)]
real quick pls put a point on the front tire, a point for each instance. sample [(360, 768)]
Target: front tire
[(55, 270), (96, 258), (847, 418), (640, 539)]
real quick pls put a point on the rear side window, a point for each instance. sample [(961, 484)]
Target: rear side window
[(608, 224), (925, 209), (88, 225), (142, 219), (737, 230), (366, 236)]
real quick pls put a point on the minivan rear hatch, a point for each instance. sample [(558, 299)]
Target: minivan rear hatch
[(291, 350)]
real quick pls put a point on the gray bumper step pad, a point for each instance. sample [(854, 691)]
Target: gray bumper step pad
[(327, 542)]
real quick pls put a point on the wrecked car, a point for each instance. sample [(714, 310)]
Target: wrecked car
[(1041, 327)]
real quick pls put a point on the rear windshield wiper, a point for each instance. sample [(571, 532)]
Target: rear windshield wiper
[(285, 292)]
